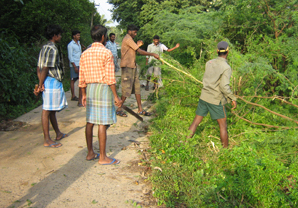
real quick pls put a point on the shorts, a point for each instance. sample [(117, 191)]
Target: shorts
[(216, 111), (130, 82), (73, 75)]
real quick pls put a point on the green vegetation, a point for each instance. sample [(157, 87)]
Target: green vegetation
[(260, 167), (22, 26)]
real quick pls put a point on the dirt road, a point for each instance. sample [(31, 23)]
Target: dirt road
[(35, 176)]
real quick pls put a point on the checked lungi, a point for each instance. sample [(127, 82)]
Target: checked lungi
[(53, 96), (100, 107)]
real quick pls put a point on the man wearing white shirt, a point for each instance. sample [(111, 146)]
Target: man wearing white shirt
[(158, 48), (74, 54)]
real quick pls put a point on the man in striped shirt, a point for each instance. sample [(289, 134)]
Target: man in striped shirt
[(50, 76), (99, 96)]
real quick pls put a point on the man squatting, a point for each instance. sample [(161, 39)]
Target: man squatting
[(130, 82), (50, 76), (215, 93), (98, 84)]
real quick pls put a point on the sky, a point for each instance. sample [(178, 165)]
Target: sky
[(104, 8)]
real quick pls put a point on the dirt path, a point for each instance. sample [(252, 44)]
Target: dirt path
[(35, 176)]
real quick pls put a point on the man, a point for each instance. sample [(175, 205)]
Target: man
[(97, 74), (158, 48), (112, 46), (130, 82), (215, 93), (50, 77), (74, 54)]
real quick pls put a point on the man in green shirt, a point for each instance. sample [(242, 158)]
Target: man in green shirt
[(216, 93)]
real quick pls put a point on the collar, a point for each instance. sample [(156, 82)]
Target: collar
[(75, 42), (97, 44), (222, 59)]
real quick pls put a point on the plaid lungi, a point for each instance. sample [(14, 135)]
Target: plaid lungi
[(100, 107), (53, 96)]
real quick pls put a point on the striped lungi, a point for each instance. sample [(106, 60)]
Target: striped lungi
[(53, 96), (100, 107)]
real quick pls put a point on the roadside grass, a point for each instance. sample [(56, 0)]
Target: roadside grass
[(259, 169)]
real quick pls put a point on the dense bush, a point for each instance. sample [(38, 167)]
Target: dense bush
[(259, 169), (17, 74)]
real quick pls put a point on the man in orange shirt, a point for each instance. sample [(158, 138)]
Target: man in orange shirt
[(97, 74), (130, 82)]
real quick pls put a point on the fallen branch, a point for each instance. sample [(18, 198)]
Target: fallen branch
[(280, 115), (260, 124), (187, 74)]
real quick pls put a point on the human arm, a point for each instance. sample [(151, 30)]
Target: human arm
[(38, 72), (37, 90), (70, 57), (84, 98), (171, 49), (83, 47), (118, 101), (225, 86), (142, 52)]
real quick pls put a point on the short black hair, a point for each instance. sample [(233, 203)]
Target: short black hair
[(132, 28), (156, 37), (97, 32), (222, 53), (52, 30), (74, 32), (111, 34)]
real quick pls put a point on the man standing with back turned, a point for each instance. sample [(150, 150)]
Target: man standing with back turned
[(130, 82), (98, 84), (50, 77), (216, 92)]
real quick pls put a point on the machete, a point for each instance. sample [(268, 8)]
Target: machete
[(132, 113)]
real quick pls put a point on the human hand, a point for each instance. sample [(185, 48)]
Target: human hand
[(140, 43), (234, 104), (156, 56), (38, 89), (76, 69), (84, 100), (118, 102), (177, 45)]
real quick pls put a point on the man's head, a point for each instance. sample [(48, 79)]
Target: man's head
[(76, 35), (222, 48), (132, 30), (156, 39), (99, 34), (112, 37), (53, 33)]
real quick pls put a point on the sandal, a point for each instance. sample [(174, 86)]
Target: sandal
[(145, 113), (121, 113), (75, 98)]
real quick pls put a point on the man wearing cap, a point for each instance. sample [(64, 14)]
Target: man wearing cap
[(216, 93)]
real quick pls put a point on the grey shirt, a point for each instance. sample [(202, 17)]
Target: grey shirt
[(216, 82)]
